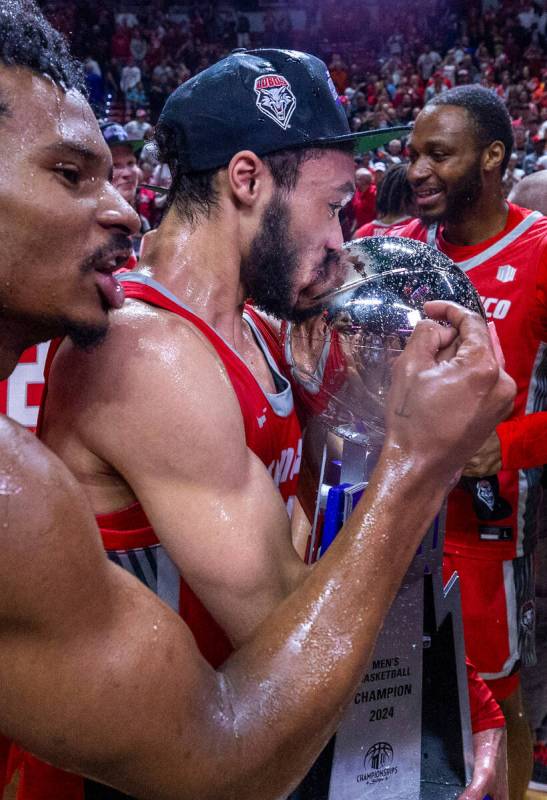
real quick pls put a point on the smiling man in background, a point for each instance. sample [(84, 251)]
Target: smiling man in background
[(459, 149)]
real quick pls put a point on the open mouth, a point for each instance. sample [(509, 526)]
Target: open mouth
[(426, 197), (110, 290)]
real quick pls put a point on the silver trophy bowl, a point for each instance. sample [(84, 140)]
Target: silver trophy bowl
[(343, 357)]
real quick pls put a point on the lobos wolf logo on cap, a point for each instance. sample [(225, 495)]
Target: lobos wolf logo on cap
[(275, 99)]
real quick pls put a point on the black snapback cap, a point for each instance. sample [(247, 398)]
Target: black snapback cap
[(264, 101)]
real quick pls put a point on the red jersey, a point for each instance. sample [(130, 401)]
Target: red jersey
[(272, 432), (21, 393), (379, 228), (510, 273)]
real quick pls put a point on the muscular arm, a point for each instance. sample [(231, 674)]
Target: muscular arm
[(85, 647), (165, 418)]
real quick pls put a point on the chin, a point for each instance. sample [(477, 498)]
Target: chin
[(86, 335), (431, 217)]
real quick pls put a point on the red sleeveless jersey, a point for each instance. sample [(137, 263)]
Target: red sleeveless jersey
[(510, 273), (272, 432)]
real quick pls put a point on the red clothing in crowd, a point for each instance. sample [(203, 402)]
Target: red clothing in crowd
[(363, 206)]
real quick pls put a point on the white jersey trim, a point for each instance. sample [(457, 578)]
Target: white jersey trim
[(314, 383), (494, 249)]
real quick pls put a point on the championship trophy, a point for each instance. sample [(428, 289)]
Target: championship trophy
[(406, 734)]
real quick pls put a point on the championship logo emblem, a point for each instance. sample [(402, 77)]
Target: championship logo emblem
[(275, 99), (379, 756)]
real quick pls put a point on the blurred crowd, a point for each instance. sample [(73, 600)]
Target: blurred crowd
[(383, 70), (384, 73)]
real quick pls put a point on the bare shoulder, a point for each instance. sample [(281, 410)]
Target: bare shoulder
[(28, 474), (155, 382), (49, 539)]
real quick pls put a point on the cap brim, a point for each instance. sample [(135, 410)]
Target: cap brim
[(158, 189), (370, 140), (135, 144)]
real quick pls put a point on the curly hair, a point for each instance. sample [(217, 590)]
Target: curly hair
[(394, 193), (28, 40)]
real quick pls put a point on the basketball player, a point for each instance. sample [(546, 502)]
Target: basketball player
[(180, 427), (458, 151)]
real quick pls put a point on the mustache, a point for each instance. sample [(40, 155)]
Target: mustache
[(118, 244)]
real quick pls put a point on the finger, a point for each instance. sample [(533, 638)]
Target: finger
[(471, 327), (429, 338), (477, 789)]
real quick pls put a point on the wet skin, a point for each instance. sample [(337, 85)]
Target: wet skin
[(54, 179), (86, 647)]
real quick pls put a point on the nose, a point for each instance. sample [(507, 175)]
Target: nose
[(115, 212), (418, 170), (335, 238)]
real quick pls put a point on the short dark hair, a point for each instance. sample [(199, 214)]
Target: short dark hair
[(394, 193), (28, 40), (488, 112), (194, 194)]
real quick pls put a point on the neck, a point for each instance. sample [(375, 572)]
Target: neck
[(201, 265), (16, 337), (485, 219)]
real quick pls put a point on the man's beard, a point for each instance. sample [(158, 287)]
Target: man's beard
[(84, 337), (268, 272), (459, 200)]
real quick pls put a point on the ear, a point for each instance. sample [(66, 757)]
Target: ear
[(492, 156), (248, 177)]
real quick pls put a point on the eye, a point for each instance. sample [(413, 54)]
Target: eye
[(69, 172), (334, 209), (438, 156)]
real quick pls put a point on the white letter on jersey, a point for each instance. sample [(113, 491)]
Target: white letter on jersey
[(21, 377)]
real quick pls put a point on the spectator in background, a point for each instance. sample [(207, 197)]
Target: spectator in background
[(428, 62), (139, 128), (437, 85), (378, 170), (393, 201), (120, 43), (339, 73), (136, 96), (138, 46), (394, 152), (362, 207), (131, 76), (513, 174), (125, 171), (530, 162)]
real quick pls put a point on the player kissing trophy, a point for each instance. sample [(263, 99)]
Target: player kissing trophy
[(407, 733)]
